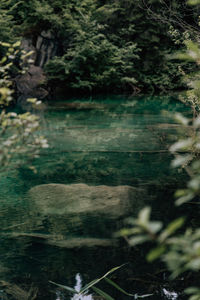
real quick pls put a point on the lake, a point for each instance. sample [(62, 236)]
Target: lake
[(107, 158)]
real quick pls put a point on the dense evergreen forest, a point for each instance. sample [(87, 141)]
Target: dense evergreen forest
[(104, 46)]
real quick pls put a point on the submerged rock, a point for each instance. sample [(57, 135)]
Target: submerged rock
[(61, 199), (63, 242), (81, 242)]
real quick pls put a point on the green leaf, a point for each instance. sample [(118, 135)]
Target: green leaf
[(196, 122), (155, 226), (193, 2), (5, 44), (138, 240), (144, 215), (93, 282), (102, 294), (182, 145), (128, 231), (181, 160), (171, 228), (32, 100), (3, 60), (184, 199), (192, 290), (17, 44), (142, 296), (195, 297), (194, 264), (117, 287), (65, 287), (181, 119), (156, 253), (180, 193)]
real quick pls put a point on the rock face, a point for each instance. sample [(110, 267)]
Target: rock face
[(28, 84), (60, 199), (43, 49), (46, 48)]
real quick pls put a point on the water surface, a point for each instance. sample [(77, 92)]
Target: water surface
[(105, 141)]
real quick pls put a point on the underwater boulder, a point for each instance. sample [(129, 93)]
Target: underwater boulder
[(61, 199), (62, 241)]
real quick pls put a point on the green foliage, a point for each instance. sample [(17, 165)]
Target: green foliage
[(186, 151), (143, 229), (6, 32), (92, 285), (18, 132), (193, 2), (11, 64), (94, 62), (124, 44), (180, 251), (195, 292)]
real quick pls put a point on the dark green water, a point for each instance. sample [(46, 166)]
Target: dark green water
[(112, 142)]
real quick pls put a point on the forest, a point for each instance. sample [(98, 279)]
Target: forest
[(100, 44), (99, 149)]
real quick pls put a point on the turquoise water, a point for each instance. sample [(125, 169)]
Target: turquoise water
[(115, 142)]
